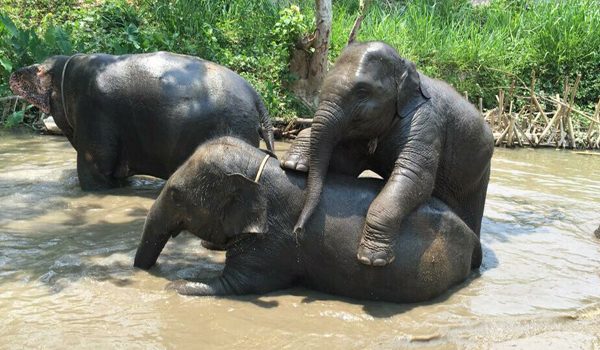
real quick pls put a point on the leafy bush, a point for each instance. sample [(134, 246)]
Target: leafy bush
[(478, 49)]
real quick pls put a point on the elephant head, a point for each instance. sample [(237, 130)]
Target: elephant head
[(369, 86), (40, 85), (209, 196), (35, 83)]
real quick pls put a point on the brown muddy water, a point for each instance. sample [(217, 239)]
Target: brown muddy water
[(66, 276)]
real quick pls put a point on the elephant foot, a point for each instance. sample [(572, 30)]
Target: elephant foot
[(296, 157), (374, 252), (180, 286), (214, 286)]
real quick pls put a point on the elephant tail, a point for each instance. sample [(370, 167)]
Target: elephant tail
[(266, 128)]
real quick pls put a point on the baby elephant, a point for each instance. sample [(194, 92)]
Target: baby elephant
[(231, 193), (141, 114)]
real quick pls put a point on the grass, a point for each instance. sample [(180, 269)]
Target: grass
[(477, 49)]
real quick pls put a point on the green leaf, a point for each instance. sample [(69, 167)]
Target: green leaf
[(14, 119), (6, 64), (9, 25)]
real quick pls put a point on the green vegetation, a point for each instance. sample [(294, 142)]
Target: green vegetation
[(478, 49)]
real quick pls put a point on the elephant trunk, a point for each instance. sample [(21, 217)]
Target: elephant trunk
[(155, 236), (325, 134)]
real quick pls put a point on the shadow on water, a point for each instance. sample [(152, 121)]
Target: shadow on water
[(177, 265), (99, 251)]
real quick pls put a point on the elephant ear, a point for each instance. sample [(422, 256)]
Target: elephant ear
[(246, 209), (411, 93)]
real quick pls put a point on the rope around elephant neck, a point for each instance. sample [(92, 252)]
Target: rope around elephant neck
[(62, 84), (261, 167)]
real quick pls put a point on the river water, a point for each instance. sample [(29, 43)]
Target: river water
[(66, 276)]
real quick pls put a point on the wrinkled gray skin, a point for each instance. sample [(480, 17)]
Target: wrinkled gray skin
[(213, 196), (141, 114), (377, 112)]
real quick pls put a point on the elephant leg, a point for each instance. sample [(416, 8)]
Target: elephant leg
[(213, 286), (92, 174), (247, 271), (410, 183), (348, 158), (297, 156), (258, 279)]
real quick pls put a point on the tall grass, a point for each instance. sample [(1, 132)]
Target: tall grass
[(478, 49)]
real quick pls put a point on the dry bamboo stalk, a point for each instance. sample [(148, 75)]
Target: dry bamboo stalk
[(573, 109), (574, 89), (569, 120), (566, 87), (519, 130), (550, 124), (501, 137), (561, 134), (596, 117), (534, 99), (500, 107), (511, 92), (561, 139), (511, 126)]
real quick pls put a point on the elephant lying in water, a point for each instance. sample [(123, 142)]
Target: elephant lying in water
[(141, 114), (230, 193)]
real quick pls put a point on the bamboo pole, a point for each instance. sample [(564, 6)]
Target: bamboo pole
[(590, 133), (511, 126), (569, 120), (573, 109), (534, 99), (501, 137), (551, 123)]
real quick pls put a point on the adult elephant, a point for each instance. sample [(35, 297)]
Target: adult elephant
[(141, 114), (378, 112), (230, 193)]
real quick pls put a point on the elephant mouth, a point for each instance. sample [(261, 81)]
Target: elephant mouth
[(26, 84), (237, 239)]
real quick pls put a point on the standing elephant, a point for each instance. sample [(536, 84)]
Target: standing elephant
[(377, 112), (230, 193), (141, 114)]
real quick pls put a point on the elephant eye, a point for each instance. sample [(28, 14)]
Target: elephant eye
[(362, 91)]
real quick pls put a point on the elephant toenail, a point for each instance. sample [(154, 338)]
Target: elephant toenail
[(301, 167), (364, 260), (289, 164), (379, 262)]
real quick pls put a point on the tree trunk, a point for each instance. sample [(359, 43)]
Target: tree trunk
[(309, 58)]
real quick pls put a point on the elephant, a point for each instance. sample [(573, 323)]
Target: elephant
[(377, 112), (141, 113), (232, 194)]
